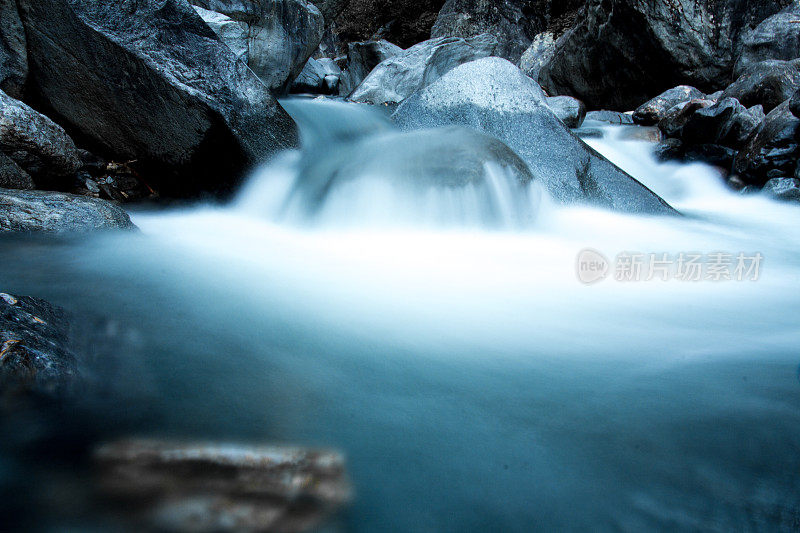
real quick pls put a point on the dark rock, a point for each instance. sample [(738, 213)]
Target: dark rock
[(726, 122), (675, 119), (396, 78), (669, 149), (653, 111), (403, 22), (777, 37), (281, 35), (794, 104), (170, 486), (538, 54), (34, 352), (12, 176), (505, 19), (24, 130), (570, 110), (768, 83), (612, 117), (37, 211), (772, 150), (13, 50), (712, 154), (320, 76), (148, 80), (493, 96), (787, 189), (235, 34), (621, 52), (362, 57)]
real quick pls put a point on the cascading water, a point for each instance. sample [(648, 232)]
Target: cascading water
[(441, 338)]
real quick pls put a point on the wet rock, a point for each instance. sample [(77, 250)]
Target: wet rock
[(675, 119), (505, 19), (653, 111), (726, 122), (570, 110), (34, 353), (649, 134), (12, 176), (148, 80), (772, 150), (493, 96), (768, 83), (42, 142), (13, 50), (170, 486), (362, 57), (397, 78), (37, 211), (787, 189), (622, 52), (320, 76), (669, 149), (282, 35), (538, 54), (777, 37), (612, 117), (712, 154)]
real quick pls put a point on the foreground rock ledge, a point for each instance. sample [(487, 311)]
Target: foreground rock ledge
[(177, 486)]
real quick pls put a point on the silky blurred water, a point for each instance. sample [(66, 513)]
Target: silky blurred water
[(474, 383)]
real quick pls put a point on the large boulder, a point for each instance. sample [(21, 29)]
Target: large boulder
[(772, 150), (654, 110), (30, 136), (768, 83), (282, 35), (508, 20), (362, 57), (727, 123), (622, 52), (232, 32), (34, 352), (493, 96), (538, 54), (398, 77), (51, 212), (148, 80), (570, 110), (13, 50), (777, 37)]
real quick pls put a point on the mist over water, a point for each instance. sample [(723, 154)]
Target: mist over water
[(449, 348)]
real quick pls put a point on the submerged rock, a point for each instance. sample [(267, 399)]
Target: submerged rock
[(398, 77), (653, 111), (34, 352), (493, 96), (193, 487), (148, 80), (768, 83), (37, 211)]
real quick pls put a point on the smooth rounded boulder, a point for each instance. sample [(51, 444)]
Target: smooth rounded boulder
[(149, 81), (493, 96)]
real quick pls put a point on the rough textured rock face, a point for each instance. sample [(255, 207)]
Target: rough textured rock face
[(34, 353), (397, 78), (570, 110), (362, 57), (768, 83), (28, 134), (513, 22), (786, 189), (12, 176), (222, 487), (403, 22), (148, 80), (777, 37), (493, 96), (37, 211), (652, 45), (233, 33), (652, 111), (320, 76), (538, 54), (13, 52), (771, 151), (282, 35), (727, 123)]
